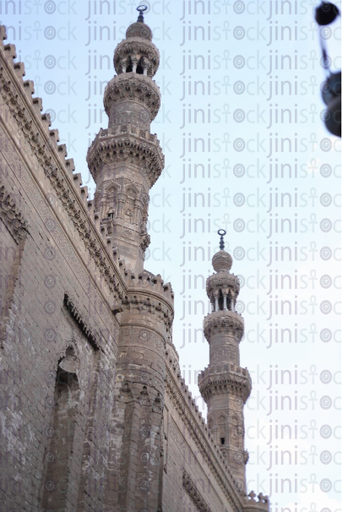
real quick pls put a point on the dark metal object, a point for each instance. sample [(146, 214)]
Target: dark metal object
[(326, 13), (221, 233), (141, 9)]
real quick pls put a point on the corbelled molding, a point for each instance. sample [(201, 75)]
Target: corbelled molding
[(194, 494), (224, 322), (35, 129), (92, 337), (222, 281), (148, 293), (217, 380), (121, 142), (137, 47), (133, 87), (12, 216)]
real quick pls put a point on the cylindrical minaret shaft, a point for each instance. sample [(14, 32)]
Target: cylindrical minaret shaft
[(224, 385), (126, 159)]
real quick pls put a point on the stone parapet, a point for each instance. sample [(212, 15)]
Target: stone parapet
[(254, 503), (26, 109), (148, 294)]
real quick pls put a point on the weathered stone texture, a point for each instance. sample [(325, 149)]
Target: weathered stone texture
[(94, 415)]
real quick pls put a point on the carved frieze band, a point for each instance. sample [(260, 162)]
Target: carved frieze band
[(194, 494), (133, 87), (115, 145), (11, 216), (59, 179), (222, 280), (92, 337), (225, 383), (136, 47), (224, 322)]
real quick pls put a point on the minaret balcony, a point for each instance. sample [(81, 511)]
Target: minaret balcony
[(112, 146), (131, 90), (225, 379), (224, 321)]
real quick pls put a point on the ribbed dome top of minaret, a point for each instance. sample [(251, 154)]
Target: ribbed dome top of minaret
[(222, 282)]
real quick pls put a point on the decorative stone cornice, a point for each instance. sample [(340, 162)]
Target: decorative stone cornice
[(148, 293), (194, 494), (225, 379), (11, 216), (133, 87), (92, 337), (223, 322), (122, 142), (25, 110)]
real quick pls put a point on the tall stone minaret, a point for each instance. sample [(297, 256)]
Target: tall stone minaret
[(126, 159), (224, 385)]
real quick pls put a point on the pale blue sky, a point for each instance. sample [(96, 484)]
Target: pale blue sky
[(241, 92)]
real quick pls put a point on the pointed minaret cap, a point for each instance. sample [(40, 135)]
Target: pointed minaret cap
[(222, 260)]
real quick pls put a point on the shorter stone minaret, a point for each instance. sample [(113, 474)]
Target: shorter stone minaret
[(224, 385)]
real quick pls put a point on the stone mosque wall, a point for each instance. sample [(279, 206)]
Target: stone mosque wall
[(94, 413)]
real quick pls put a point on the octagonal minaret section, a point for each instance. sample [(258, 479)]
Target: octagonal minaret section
[(125, 159), (224, 385)]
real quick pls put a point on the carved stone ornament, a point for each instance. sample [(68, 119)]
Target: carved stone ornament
[(140, 48), (222, 281), (133, 87), (110, 148), (253, 505), (92, 337), (216, 380), (11, 216), (56, 170), (194, 494), (224, 322), (145, 242)]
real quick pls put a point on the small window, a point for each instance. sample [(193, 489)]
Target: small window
[(222, 440)]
